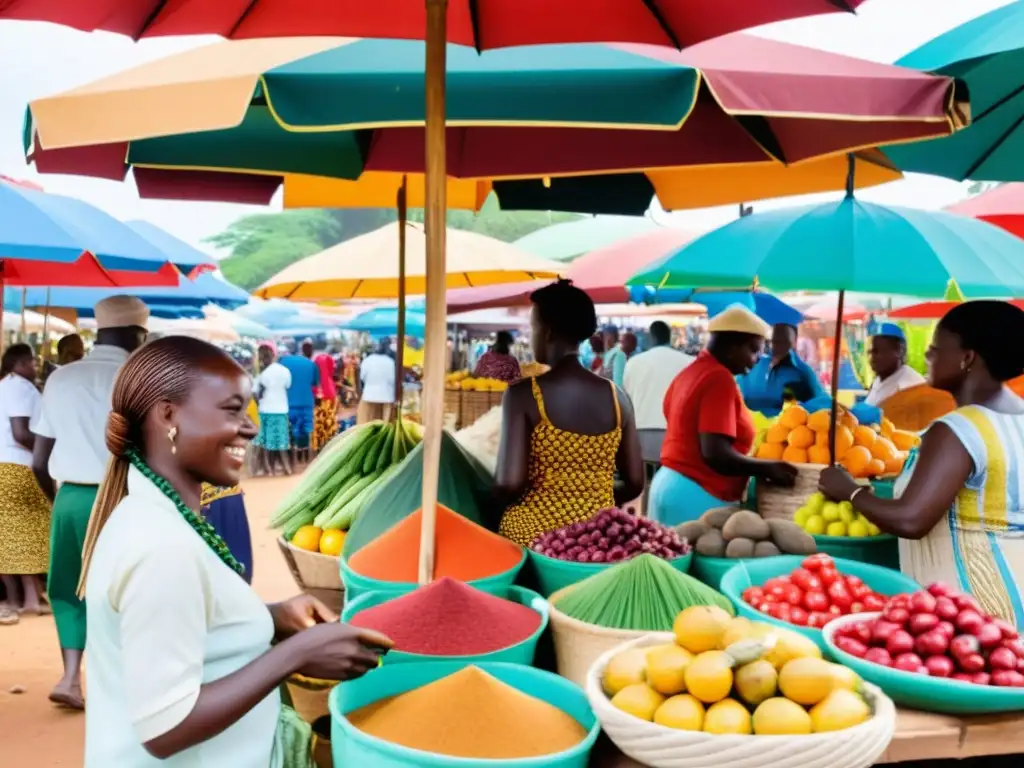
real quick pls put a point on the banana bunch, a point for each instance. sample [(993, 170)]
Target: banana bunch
[(345, 475)]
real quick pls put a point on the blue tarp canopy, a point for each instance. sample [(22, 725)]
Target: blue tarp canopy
[(767, 306)]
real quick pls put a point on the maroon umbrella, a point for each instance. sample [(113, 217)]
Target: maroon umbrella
[(602, 273), (483, 25), (1002, 206)]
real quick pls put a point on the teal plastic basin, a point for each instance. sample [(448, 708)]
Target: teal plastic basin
[(352, 747), (356, 584), (883, 550), (520, 653), (754, 573), (711, 570), (553, 575), (929, 694)]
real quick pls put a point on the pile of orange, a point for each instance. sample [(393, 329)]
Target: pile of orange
[(800, 437)]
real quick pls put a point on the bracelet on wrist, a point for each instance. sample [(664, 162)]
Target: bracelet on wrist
[(858, 490)]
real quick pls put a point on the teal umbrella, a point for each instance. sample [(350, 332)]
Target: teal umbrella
[(988, 54), (566, 241), (849, 246)]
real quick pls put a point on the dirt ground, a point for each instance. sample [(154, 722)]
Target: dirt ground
[(35, 733)]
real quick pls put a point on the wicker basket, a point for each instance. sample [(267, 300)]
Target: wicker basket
[(315, 574), (474, 405), (309, 696), (453, 408), (578, 644), (661, 747), (775, 503)]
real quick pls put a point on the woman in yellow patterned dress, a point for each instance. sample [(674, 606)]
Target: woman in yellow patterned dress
[(566, 434)]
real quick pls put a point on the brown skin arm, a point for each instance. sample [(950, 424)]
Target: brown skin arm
[(629, 461), (41, 465), (942, 469), (514, 449), (723, 458), (21, 433)]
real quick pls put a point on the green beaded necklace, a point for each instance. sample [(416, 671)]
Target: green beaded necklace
[(199, 525)]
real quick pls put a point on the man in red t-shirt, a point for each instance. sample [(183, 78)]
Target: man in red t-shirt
[(704, 457)]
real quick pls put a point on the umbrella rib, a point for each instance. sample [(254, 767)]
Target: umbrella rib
[(241, 18), (1015, 92), (158, 8), (474, 21), (843, 5), (652, 8), (993, 147)]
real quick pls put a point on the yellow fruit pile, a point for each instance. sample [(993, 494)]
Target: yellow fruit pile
[(727, 675), (820, 517), (328, 541), (470, 384), (864, 450)]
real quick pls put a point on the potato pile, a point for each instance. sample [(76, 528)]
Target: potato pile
[(734, 533)]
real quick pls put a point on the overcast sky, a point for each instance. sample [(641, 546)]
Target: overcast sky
[(38, 60)]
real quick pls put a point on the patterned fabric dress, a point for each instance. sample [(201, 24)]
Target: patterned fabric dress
[(24, 523), (979, 545), (571, 477), (493, 365)]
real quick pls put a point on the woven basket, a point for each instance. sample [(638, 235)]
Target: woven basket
[(309, 696), (578, 644), (661, 747), (452, 408), (315, 574), (474, 405), (775, 503)]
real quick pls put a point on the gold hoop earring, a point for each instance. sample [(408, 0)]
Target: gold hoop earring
[(172, 433)]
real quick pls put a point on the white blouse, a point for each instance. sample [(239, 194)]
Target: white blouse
[(165, 616)]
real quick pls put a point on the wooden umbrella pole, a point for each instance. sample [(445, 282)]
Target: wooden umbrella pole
[(46, 327), (435, 344), (837, 344), (400, 330)]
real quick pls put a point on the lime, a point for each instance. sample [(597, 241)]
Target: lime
[(815, 502), (847, 515), (873, 530), (836, 529), (815, 525), (858, 529), (801, 515), (830, 511)]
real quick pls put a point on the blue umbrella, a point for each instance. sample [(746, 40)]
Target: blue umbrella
[(383, 321), (38, 226), (302, 325), (182, 255), (767, 306)]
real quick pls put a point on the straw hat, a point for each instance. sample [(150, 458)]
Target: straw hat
[(739, 319)]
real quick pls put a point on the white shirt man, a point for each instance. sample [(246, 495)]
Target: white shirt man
[(273, 384), (19, 398), (882, 389), (377, 373), (886, 354), (648, 376)]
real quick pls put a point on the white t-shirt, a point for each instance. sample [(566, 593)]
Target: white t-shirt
[(275, 380), (882, 389), (76, 403), (378, 376), (165, 616), (19, 398), (646, 381)]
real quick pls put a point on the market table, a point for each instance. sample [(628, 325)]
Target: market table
[(919, 736)]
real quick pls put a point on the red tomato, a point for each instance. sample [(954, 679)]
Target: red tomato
[(794, 595), (853, 581), (778, 591), (857, 608), (780, 611), (815, 601), (857, 591), (839, 595), (828, 576), (798, 616), (818, 619), (805, 579), (753, 595), (873, 602), (835, 610), (817, 562), (778, 581)]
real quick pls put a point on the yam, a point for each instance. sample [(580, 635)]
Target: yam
[(765, 549), (692, 530), (711, 544), (791, 539), (716, 518), (740, 547), (747, 525)]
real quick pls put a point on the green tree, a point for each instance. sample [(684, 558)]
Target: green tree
[(260, 245)]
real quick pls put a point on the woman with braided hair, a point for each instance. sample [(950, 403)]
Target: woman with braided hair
[(185, 661)]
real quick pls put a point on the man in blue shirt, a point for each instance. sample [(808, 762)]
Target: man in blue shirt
[(301, 398), (779, 375)]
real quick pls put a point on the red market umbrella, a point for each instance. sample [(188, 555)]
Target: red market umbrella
[(483, 25), (826, 311), (932, 310), (1002, 206), (602, 273)]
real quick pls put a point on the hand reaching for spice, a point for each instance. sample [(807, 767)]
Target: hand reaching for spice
[(299, 613), (339, 651)]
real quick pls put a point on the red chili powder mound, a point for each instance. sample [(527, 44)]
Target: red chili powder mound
[(449, 618), (463, 550)]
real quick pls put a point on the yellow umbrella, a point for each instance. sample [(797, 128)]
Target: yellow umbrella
[(369, 266)]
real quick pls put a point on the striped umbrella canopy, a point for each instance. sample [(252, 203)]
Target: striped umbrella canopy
[(348, 109), (494, 24), (987, 53)]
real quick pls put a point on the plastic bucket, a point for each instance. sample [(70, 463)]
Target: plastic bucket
[(754, 573), (356, 584), (553, 575), (710, 570), (882, 550), (354, 748), (520, 653)]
